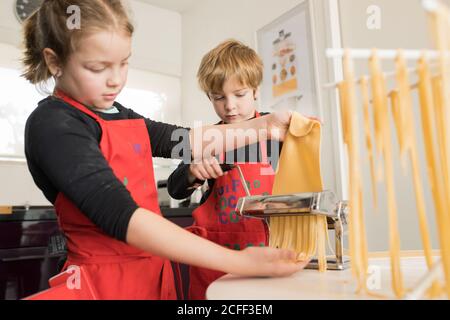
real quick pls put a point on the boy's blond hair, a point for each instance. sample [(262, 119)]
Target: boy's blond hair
[(228, 59)]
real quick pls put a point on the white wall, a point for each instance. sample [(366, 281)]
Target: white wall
[(9, 25), (157, 41), (155, 66), (403, 24)]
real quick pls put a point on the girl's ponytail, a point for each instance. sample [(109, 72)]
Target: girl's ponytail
[(36, 69)]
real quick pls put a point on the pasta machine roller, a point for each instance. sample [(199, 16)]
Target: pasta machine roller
[(304, 204)]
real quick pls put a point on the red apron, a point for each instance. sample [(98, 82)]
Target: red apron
[(217, 221), (118, 270)]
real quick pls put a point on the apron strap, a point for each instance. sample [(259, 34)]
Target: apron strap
[(63, 96), (178, 280)]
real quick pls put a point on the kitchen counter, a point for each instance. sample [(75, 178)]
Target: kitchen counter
[(48, 213), (312, 285)]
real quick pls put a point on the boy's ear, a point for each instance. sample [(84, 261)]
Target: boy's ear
[(52, 61)]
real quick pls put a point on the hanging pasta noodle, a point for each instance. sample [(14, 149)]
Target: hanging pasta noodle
[(357, 232), (440, 196), (402, 110), (403, 114), (366, 103), (443, 44), (299, 172), (439, 112), (434, 169), (441, 27), (440, 125), (383, 141)]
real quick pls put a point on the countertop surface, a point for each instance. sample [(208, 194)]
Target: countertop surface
[(312, 285), (48, 213)]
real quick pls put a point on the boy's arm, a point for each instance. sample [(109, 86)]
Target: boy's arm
[(180, 182)]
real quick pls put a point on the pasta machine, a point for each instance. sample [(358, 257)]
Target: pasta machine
[(304, 204)]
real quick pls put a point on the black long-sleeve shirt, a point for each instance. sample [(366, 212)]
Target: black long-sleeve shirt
[(179, 185), (62, 147)]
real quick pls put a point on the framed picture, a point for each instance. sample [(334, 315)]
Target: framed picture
[(287, 49)]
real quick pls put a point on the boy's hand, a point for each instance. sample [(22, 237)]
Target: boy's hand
[(278, 124), (270, 262), (206, 169)]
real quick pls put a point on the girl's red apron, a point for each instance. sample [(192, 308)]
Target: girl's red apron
[(118, 270), (217, 221)]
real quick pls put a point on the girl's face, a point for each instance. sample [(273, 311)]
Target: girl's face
[(97, 71), (236, 103)]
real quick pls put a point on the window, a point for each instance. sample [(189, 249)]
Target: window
[(18, 99)]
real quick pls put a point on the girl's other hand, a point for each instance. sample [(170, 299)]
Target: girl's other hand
[(270, 262)]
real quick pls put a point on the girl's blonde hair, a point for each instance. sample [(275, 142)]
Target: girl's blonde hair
[(228, 59), (48, 27)]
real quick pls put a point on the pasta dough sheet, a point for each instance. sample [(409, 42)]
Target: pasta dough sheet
[(299, 172)]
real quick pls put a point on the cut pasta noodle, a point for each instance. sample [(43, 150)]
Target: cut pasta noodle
[(402, 110), (305, 235), (441, 28), (434, 162), (357, 233), (383, 136), (369, 145)]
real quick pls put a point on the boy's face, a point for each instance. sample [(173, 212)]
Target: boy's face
[(97, 71), (236, 103)]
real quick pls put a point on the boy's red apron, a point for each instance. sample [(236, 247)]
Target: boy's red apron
[(217, 220), (117, 270)]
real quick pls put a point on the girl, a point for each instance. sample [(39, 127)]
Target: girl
[(92, 158)]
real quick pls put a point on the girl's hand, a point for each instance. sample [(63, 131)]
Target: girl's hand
[(316, 119), (278, 124), (269, 262)]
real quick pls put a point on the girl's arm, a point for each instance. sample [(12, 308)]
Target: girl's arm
[(213, 140), (153, 233)]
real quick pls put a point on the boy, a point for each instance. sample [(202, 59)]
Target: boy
[(230, 75)]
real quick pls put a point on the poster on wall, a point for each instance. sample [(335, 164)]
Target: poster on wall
[(287, 50)]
